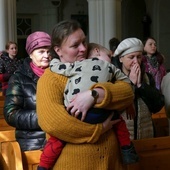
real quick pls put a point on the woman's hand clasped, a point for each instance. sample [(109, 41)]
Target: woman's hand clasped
[(80, 103), (135, 75)]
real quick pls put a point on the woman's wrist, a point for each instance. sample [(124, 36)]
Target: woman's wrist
[(100, 95)]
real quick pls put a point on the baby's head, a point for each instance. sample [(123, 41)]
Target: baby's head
[(98, 51)]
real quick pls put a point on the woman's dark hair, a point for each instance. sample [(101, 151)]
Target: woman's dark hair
[(115, 61), (159, 56), (9, 43), (60, 33), (146, 39), (113, 43)]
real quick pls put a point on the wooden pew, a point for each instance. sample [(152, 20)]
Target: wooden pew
[(27, 160), (161, 124), (3, 123), (2, 99), (12, 157), (31, 159), (5, 137), (154, 154)]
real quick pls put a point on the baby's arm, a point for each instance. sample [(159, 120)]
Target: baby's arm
[(53, 117)]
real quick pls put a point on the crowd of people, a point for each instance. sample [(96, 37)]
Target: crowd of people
[(82, 103)]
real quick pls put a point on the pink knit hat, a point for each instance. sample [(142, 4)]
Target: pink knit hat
[(36, 40)]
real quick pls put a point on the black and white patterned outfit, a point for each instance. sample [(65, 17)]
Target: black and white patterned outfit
[(83, 74)]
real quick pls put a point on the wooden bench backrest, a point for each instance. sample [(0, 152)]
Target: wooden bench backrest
[(14, 164), (3, 124), (11, 157), (5, 137), (161, 124), (2, 100), (18, 160), (154, 154), (31, 159), (1, 108)]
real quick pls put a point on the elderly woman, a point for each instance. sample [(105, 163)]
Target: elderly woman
[(148, 100), (20, 102)]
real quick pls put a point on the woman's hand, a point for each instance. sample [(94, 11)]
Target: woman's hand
[(135, 74), (108, 123), (139, 77), (81, 103)]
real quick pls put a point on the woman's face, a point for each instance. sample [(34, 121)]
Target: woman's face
[(129, 60), (12, 50), (73, 48), (150, 47), (40, 57)]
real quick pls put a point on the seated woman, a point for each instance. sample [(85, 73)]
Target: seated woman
[(153, 61), (8, 64), (148, 99), (20, 102)]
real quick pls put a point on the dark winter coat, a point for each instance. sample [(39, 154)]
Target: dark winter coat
[(7, 68), (20, 108)]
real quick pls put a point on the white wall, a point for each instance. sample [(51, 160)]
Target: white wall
[(45, 14)]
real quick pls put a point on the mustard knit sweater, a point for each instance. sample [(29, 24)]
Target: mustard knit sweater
[(86, 148)]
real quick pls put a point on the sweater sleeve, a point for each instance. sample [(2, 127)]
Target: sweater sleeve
[(53, 117), (118, 95)]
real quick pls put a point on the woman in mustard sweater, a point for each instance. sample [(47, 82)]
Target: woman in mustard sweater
[(88, 146)]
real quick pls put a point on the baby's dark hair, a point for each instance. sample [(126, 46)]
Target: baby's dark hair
[(113, 43)]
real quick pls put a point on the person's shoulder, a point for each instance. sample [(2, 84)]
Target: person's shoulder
[(48, 73), (47, 77), (144, 58), (50, 80), (51, 76), (166, 77), (4, 57)]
